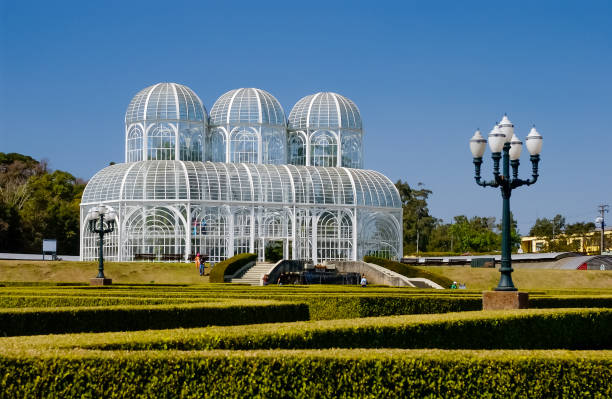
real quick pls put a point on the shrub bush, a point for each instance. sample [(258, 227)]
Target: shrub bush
[(305, 374), (408, 271), (32, 321), (526, 329), (230, 266)]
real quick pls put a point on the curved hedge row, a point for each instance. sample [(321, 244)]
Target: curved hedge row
[(306, 374), (230, 266), (526, 329), (31, 321)]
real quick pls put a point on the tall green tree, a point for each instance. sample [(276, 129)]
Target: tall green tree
[(417, 223), (35, 204), (52, 211), (548, 228), (475, 235)]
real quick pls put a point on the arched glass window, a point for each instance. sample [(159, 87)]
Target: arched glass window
[(334, 236), (297, 149), (244, 147), (209, 232), (215, 145), (324, 149), (156, 232), (351, 151), (273, 150), (135, 144), (161, 143), (196, 147), (242, 231)]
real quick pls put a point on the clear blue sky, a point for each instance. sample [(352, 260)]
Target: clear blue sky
[(424, 74)]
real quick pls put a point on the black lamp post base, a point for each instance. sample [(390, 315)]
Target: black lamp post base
[(100, 281), (503, 300)]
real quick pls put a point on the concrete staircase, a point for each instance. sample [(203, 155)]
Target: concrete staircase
[(254, 275)]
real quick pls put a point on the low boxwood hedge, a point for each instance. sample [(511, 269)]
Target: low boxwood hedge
[(408, 271), (306, 374), (63, 301), (31, 321), (230, 266), (527, 329)]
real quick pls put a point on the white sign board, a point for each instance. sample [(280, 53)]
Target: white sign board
[(50, 246)]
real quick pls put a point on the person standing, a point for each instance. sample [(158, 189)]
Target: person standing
[(199, 264), (364, 282)]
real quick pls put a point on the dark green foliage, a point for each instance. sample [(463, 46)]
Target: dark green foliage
[(230, 266), (573, 329), (14, 301), (306, 375), (350, 306), (408, 271), (570, 302), (32, 321), (416, 216), (37, 204)]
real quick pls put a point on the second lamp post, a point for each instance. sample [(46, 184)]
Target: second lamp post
[(101, 221), (502, 138)]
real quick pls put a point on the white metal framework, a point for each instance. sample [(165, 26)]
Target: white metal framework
[(325, 129), (221, 209), (170, 204)]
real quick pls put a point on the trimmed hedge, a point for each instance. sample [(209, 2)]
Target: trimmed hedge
[(306, 374), (230, 266), (63, 301), (527, 329), (32, 321), (408, 271)]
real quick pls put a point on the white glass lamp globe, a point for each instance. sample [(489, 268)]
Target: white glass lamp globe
[(95, 214), (516, 145), (111, 216), (533, 141), (102, 209), (507, 128), (496, 139), (478, 145)]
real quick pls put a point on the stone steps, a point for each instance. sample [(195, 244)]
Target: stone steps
[(254, 275)]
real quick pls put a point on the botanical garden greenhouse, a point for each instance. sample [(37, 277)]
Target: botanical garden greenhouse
[(242, 178)]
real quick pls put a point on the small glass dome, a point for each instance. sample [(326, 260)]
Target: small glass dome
[(166, 101), (247, 106), (325, 110)]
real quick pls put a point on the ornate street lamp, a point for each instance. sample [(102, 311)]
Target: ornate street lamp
[(502, 138), (97, 216)]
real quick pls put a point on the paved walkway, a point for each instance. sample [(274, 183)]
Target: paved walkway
[(4, 255)]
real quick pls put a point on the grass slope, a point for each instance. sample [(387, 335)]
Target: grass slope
[(525, 279), (120, 272)]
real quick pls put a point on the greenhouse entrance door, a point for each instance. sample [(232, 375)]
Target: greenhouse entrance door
[(276, 249)]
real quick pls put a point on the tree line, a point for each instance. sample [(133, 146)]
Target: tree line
[(37, 203), (561, 236), (464, 235)]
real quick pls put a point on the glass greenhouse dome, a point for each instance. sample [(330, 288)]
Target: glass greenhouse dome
[(165, 121), (247, 125), (171, 205), (325, 130)]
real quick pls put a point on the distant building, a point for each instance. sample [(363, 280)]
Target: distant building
[(588, 243)]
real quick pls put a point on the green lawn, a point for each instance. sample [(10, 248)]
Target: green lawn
[(120, 272), (526, 279), (186, 273)]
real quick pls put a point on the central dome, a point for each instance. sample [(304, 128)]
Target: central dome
[(166, 101), (247, 106)]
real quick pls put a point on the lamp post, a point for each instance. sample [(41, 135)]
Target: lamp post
[(503, 139), (97, 216)]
